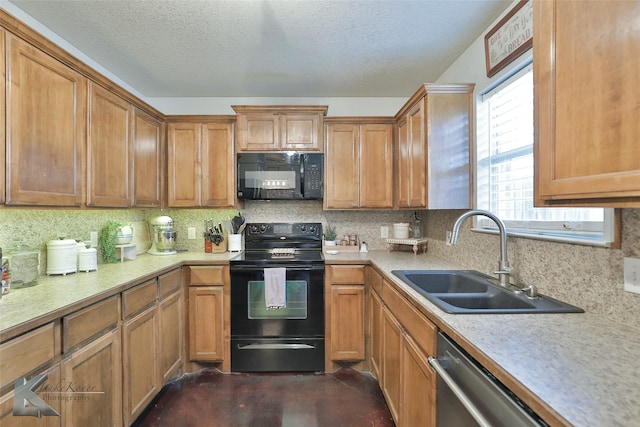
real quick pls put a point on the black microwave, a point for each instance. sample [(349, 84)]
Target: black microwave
[(280, 176)]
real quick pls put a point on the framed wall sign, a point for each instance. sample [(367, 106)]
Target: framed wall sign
[(512, 36)]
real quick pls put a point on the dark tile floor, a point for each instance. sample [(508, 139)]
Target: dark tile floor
[(346, 398)]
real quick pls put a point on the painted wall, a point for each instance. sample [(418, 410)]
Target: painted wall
[(589, 277)]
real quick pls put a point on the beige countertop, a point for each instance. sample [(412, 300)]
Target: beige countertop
[(583, 367)]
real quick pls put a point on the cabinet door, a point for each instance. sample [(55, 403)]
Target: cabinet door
[(587, 93), (391, 362), (140, 362), (376, 166), (402, 162), (206, 323), (171, 330), (411, 159), (146, 160), (375, 334), (8, 419), (109, 149), (347, 323), (418, 388), (258, 132), (218, 174), (300, 132), (46, 104), (96, 366), (342, 181), (416, 153), (183, 164)]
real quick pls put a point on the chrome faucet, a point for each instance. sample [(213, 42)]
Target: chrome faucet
[(504, 270)]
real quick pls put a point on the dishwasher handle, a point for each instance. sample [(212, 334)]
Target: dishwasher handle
[(464, 399)]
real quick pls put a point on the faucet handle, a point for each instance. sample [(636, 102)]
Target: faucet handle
[(530, 291)]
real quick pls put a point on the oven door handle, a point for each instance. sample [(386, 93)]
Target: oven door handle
[(275, 346)]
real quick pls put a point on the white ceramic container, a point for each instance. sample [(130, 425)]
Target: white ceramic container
[(401, 230), (62, 256)]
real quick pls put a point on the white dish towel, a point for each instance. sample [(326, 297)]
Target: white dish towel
[(275, 288)]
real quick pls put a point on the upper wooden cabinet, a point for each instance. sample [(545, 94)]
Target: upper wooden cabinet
[(433, 150), (359, 163), (147, 155), (218, 171), (280, 127), (109, 149), (45, 130), (200, 164), (587, 98)]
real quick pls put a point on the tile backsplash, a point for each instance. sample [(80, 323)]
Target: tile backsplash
[(586, 276)]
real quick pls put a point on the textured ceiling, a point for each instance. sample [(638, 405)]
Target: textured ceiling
[(270, 48)]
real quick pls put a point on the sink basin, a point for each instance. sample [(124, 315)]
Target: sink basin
[(471, 292), (445, 281)]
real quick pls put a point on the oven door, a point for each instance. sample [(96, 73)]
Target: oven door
[(303, 316), (283, 340)]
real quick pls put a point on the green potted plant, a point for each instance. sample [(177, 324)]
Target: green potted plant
[(330, 235), (107, 241)]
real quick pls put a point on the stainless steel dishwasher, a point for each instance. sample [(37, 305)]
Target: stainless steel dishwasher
[(468, 395)]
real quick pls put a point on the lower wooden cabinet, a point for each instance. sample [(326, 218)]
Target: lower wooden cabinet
[(7, 417), (95, 367), (140, 362), (375, 334), (206, 332), (152, 348), (418, 392), (347, 323), (171, 335), (402, 339), (344, 314), (209, 315), (391, 362), (172, 324)]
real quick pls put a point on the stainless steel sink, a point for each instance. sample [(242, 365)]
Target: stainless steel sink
[(471, 292)]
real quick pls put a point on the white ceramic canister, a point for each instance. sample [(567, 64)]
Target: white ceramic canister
[(62, 256), (87, 259), (401, 230)]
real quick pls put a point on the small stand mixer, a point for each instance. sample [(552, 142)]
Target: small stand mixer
[(164, 236)]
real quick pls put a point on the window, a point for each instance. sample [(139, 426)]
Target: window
[(505, 171)]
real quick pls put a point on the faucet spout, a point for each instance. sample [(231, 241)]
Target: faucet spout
[(504, 270)]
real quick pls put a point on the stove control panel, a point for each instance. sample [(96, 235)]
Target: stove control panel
[(287, 230)]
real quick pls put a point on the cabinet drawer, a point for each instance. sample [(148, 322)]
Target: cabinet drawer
[(27, 352), (423, 332), (137, 299), (208, 276), (346, 274), (89, 322), (170, 282)]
